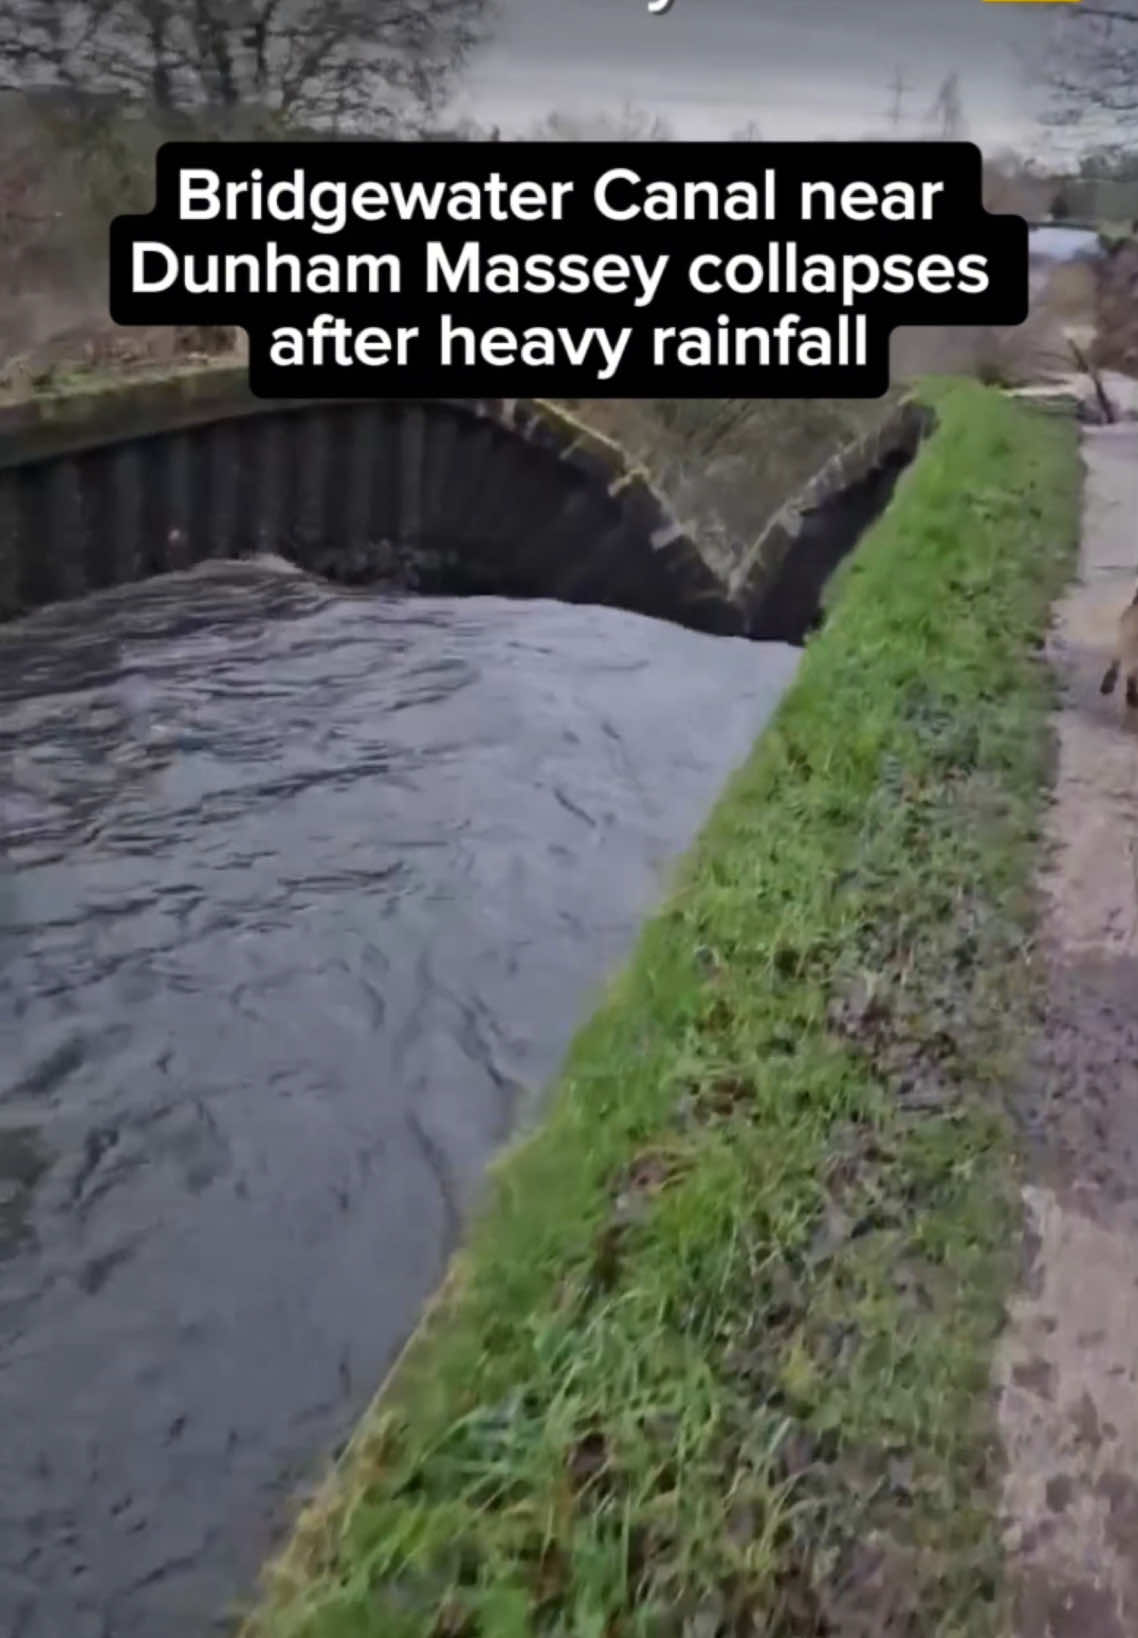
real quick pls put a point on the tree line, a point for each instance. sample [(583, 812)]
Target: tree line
[(389, 67), (338, 66)]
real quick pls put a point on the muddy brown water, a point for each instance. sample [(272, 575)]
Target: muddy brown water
[(302, 895)]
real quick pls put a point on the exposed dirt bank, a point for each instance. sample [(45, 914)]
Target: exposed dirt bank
[(1116, 344)]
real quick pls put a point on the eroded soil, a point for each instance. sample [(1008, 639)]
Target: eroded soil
[(1067, 1371)]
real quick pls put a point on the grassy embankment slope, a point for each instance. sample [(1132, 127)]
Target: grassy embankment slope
[(715, 1360)]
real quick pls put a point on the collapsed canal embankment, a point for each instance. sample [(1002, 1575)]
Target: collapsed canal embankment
[(122, 478), (716, 1354), (192, 760)]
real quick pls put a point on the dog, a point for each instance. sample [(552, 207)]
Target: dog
[(1125, 659)]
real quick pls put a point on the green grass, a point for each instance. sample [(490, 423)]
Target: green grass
[(715, 1361)]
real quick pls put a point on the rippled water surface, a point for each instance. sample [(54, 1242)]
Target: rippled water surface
[(302, 896)]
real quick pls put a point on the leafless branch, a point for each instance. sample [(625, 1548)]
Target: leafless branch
[(1091, 69), (364, 65)]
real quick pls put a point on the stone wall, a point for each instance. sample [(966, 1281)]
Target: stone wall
[(781, 576)]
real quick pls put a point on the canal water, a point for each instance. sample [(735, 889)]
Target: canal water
[(302, 894)]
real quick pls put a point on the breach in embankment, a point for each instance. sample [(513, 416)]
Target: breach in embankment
[(116, 481)]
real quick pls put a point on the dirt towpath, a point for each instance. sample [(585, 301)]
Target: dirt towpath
[(1067, 1371)]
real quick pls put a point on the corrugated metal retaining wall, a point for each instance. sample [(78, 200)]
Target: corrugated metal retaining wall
[(513, 497)]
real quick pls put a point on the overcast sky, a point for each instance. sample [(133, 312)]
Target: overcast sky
[(801, 68)]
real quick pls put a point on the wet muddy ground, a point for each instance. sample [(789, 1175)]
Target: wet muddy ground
[(301, 897), (1067, 1374)]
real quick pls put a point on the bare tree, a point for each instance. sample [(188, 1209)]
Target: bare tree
[(371, 65), (1092, 64), (1091, 74), (1091, 71), (749, 131)]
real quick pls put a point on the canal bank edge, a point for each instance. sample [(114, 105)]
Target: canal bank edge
[(716, 1355), (46, 554)]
